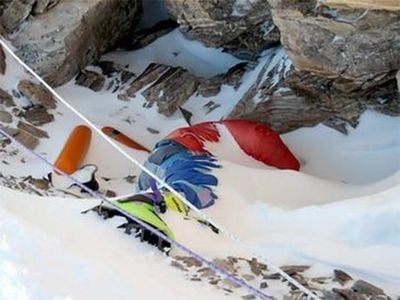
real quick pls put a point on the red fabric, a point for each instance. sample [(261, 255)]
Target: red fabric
[(262, 143), (193, 137), (255, 139)]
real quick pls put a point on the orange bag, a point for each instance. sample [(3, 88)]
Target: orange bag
[(75, 150), (123, 139)]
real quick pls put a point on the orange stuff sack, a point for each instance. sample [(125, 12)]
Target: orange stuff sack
[(75, 149), (123, 139)]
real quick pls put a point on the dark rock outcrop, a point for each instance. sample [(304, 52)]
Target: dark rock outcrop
[(244, 28), (91, 80), (355, 45), (2, 61), (80, 32), (144, 37), (170, 87)]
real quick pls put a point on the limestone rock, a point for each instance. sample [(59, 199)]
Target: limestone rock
[(244, 28), (81, 31), (37, 94)]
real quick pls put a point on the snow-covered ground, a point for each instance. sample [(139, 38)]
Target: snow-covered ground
[(340, 211), (48, 250)]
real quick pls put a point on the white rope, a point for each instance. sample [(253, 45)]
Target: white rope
[(226, 232)]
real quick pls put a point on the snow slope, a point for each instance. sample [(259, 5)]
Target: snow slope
[(48, 250)]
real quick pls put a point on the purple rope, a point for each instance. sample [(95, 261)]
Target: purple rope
[(257, 292)]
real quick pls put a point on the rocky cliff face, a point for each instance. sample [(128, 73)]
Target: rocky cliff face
[(244, 28), (355, 47), (345, 56), (80, 32), (308, 61)]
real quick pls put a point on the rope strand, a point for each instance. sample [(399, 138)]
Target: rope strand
[(179, 245), (224, 231)]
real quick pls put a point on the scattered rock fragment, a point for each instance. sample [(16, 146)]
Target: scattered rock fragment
[(342, 277), (2, 61), (249, 297), (206, 272), (91, 80), (152, 130), (126, 76), (210, 87), (294, 269), (171, 90), (37, 94), (23, 137), (123, 97), (230, 284), (274, 276), (110, 194), (5, 117), (40, 184), (363, 287), (130, 178), (152, 73), (39, 133), (256, 267), (248, 277), (195, 279), (189, 261), (263, 285), (178, 265), (348, 294), (235, 74), (225, 264), (37, 116), (107, 67), (330, 295), (6, 99)]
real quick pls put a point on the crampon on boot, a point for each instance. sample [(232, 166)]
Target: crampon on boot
[(142, 208)]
